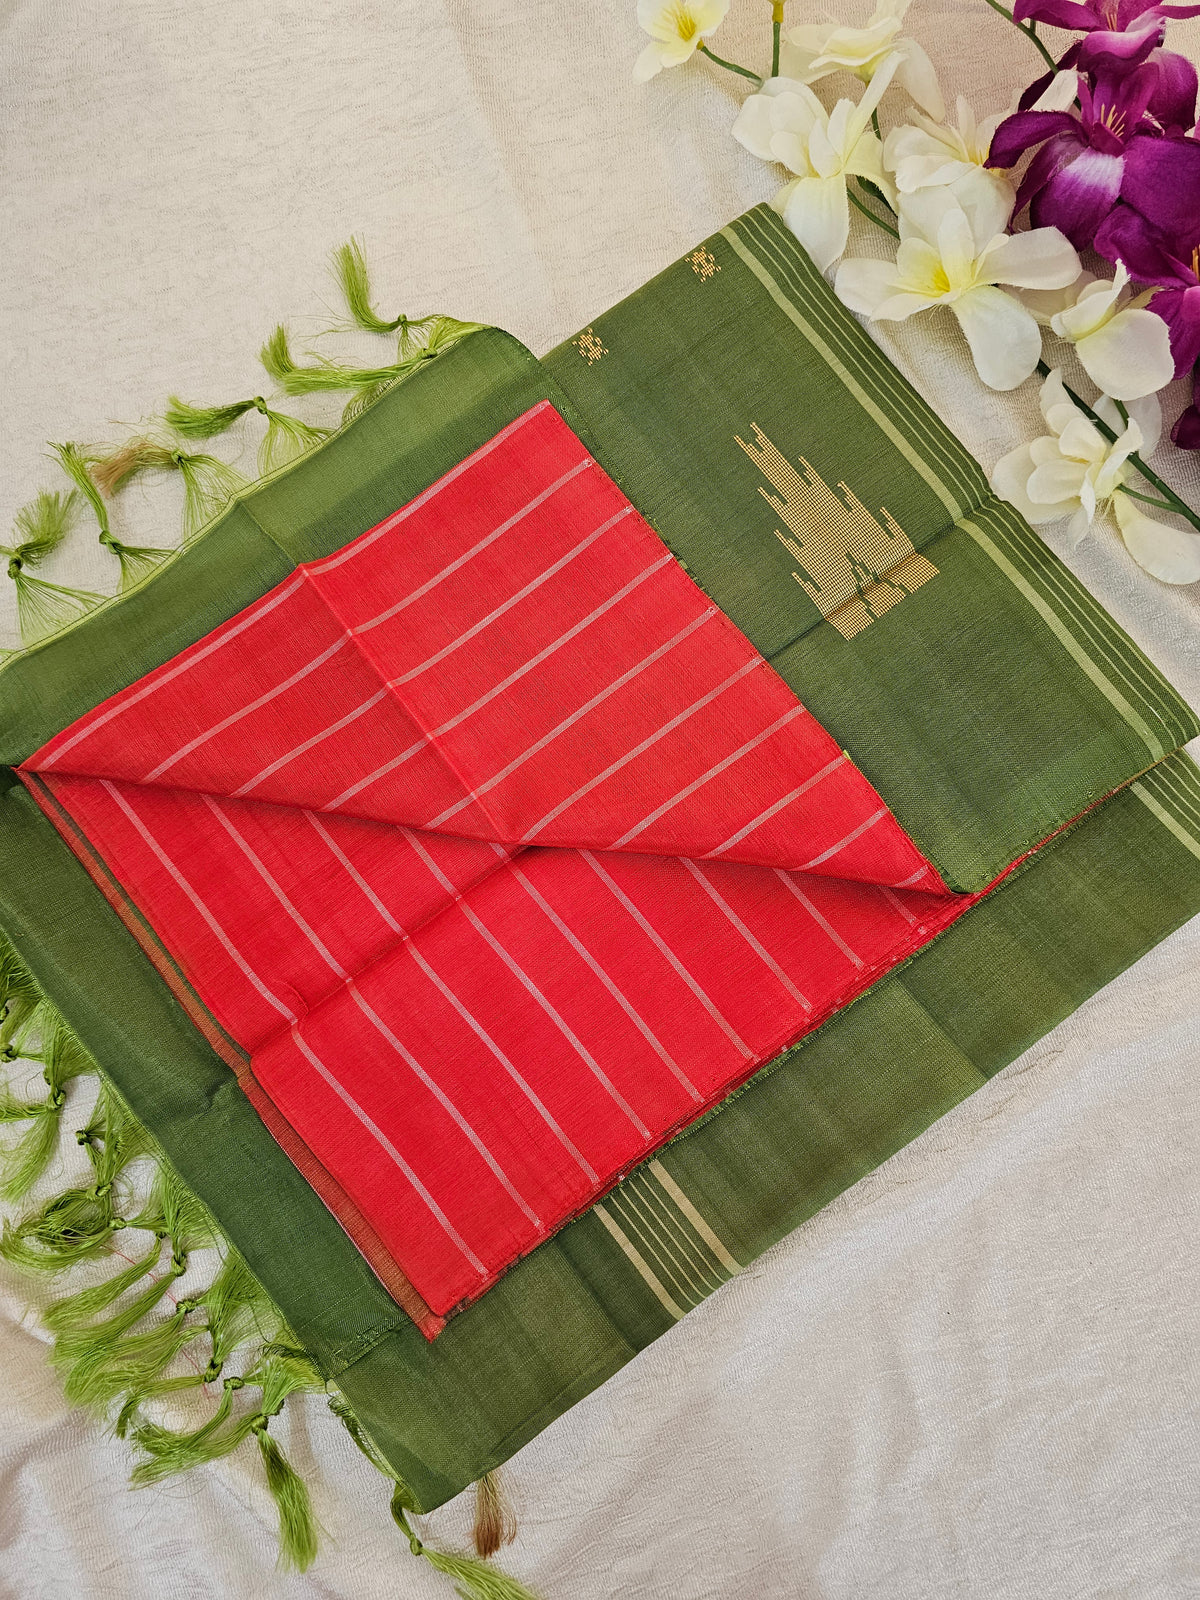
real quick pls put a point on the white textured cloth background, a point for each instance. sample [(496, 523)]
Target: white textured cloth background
[(972, 1378)]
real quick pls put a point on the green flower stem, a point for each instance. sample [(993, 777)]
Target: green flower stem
[(1028, 29), (776, 30), (867, 212), (1149, 499), (1170, 500), (875, 125), (732, 66)]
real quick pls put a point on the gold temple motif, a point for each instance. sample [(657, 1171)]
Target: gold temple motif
[(703, 263), (852, 565), (589, 346)]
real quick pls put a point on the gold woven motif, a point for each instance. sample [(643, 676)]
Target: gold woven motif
[(852, 565), (703, 263), (590, 346)]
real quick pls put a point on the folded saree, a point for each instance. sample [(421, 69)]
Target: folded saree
[(521, 861)]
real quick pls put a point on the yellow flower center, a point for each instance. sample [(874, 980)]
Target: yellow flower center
[(685, 23)]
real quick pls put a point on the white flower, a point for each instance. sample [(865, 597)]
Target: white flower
[(1124, 349), (1074, 471), (953, 252), (818, 49), (1059, 94), (786, 122), (924, 154), (676, 27)]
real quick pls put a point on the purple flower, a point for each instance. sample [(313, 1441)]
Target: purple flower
[(1186, 432), (1078, 174), (1126, 236), (1118, 28)]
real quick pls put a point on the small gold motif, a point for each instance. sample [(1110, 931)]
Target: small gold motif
[(853, 566), (704, 263), (590, 347)]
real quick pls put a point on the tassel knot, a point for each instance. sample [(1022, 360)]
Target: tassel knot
[(183, 1307), (14, 566), (234, 1383), (179, 1262), (84, 1136), (57, 1097), (213, 1370), (260, 405), (99, 1190)]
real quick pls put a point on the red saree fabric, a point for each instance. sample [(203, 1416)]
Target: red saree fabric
[(499, 850)]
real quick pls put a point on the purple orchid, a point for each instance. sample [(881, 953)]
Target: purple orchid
[(1125, 236), (1112, 150), (1115, 30)]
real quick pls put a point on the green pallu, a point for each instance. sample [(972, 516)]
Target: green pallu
[(830, 514)]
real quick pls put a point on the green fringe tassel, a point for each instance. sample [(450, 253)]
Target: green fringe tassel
[(281, 1373), (137, 561), (350, 270), (43, 608), (418, 342), (476, 1579), (286, 438), (22, 1163), (208, 482)]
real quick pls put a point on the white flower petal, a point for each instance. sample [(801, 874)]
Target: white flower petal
[(1147, 414), (649, 63), (985, 197), (1043, 258), (1082, 440), (919, 268), (1167, 553), (922, 213), (864, 285), (1047, 303), (1056, 482), (1005, 341), (917, 77), (1059, 94), (1129, 356), (818, 213), (1009, 478)]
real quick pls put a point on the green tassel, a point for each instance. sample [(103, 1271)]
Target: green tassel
[(350, 270), (80, 1222), (98, 1372), (19, 996), (63, 1058), (286, 438), (208, 482), (169, 1451), (474, 1579), (297, 1528), (478, 1580), (43, 608), (137, 561), (78, 1310), (418, 342)]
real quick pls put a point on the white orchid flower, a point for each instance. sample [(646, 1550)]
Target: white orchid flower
[(676, 29), (816, 50), (1124, 349), (923, 154), (1059, 94), (1074, 471), (953, 252), (785, 122)]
